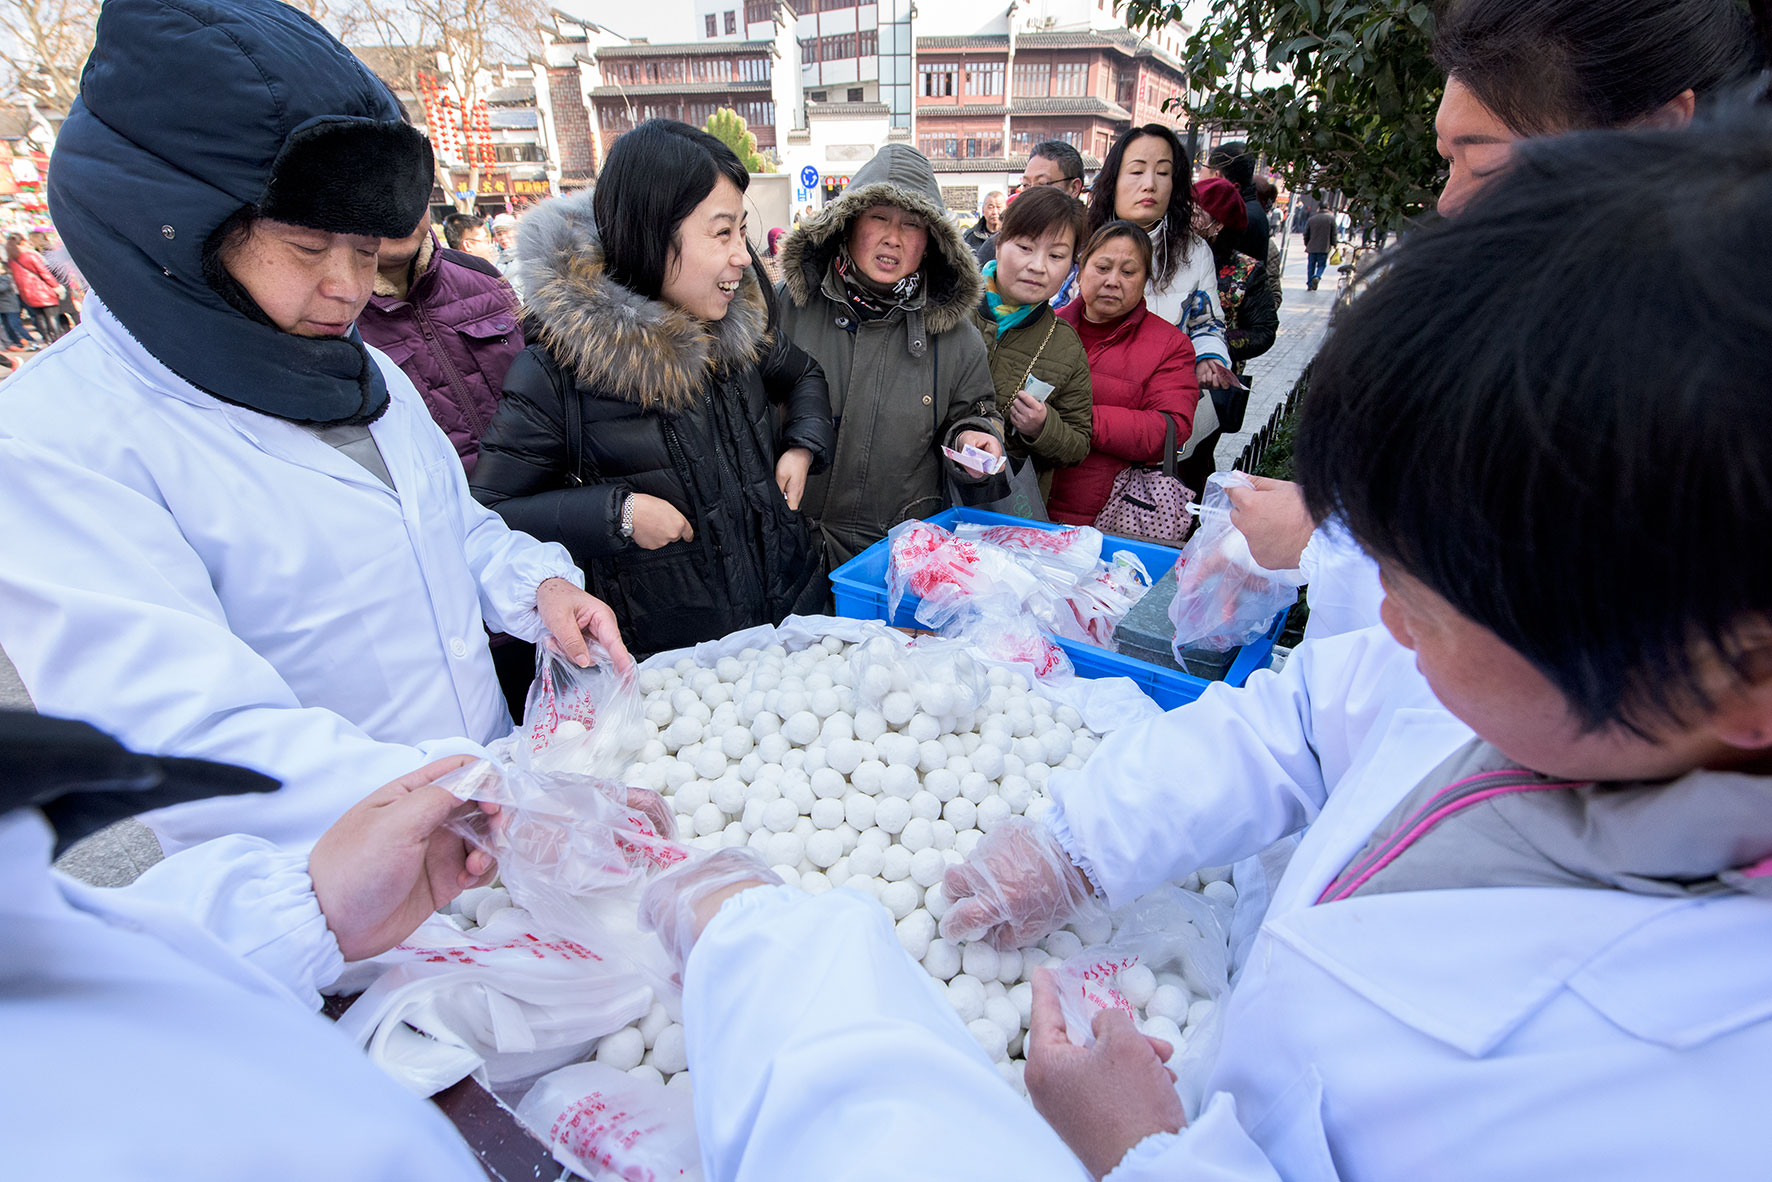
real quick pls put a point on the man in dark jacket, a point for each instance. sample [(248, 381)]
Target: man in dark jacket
[(990, 220), (449, 320), (1236, 163), (1319, 240)]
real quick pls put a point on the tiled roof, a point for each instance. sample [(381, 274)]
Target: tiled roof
[(1080, 105), (521, 95), (994, 163), (667, 88), (684, 48), (982, 42), (960, 110), (847, 110)]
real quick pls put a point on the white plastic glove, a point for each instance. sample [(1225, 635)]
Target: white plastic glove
[(678, 905), (1017, 887)]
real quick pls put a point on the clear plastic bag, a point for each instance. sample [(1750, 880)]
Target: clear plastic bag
[(1058, 557), (587, 721), (1101, 599), (1167, 930), (602, 1123), (999, 628), (946, 680), (1225, 598), (945, 571), (574, 852)]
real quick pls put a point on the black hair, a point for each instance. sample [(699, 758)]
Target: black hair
[(1118, 228), (654, 177), (1068, 159), (1234, 162), (1178, 222), (1548, 410), (1040, 210), (1266, 192), (456, 227), (1554, 65)]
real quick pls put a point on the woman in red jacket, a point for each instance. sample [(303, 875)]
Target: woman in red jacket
[(1140, 366), (38, 290)]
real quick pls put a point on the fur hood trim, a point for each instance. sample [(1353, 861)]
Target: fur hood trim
[(900, 176), (613, 339)]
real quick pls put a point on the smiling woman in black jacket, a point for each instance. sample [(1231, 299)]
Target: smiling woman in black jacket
[(657, 426)]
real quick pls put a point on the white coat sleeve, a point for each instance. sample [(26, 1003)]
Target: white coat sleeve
[(254, 899), (1212, 1149), (110, 617), (819, 1049), (1205, 318), (1219, 779), (509, 565), (1345, 593)]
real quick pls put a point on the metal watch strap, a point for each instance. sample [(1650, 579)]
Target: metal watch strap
[(627, 516)]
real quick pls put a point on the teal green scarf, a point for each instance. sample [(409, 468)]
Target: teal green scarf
[(1007, 316)]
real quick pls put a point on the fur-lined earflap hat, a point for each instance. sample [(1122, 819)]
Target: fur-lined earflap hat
[(147, 173)]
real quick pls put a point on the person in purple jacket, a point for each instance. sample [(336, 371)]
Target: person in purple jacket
[(450, 321)]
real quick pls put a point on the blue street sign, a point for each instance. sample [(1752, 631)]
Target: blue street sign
[(809, 177)]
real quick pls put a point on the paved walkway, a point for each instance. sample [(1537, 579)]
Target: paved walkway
[(1304, 315)]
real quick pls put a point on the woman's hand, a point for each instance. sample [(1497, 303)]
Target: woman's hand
[(1215, 374), (1027, 414), (1103, 1099), (1272, 517), (658, 523), (569, 612), (790, 474), (982, 440), (391, 861)]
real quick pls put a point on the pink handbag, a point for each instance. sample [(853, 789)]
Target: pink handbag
[(1148, 503)]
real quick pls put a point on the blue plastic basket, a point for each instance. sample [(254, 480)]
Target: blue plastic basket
[(860, 586)]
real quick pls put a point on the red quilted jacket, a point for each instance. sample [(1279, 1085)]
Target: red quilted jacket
[(37, 284), (1144, 367)]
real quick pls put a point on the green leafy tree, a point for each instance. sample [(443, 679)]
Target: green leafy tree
[(1336, 94), (729, 127)]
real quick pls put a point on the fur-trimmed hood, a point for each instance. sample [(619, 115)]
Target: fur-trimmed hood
[(898, 175), (611, 338)]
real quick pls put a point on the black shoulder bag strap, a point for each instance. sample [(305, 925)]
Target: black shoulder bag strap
[(575, 438), (1169, 432)]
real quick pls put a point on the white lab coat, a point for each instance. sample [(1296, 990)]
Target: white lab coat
[(1345, 594), (141, 1045), (1473, 1034), (820, 1050), (199, 579)]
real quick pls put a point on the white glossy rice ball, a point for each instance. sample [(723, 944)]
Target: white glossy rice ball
[(827, 813), (867, 777), (979, 960), (844, 756), (897, 864), (784, 849), (942, 961), (936, 901), (992, 811), (992, 1037), (1063, 945), (814, 882), (942, 834), (897, 708), (623, 1049), (918, 835), (916, 932), (931, 755), (858, 811), (823, 849), (773, 747), (827, 783), (965, 841), (1168, 1001), (869, 725), (899, 781), (892, 813), (927, 866), (966, 995), (960, 813), (867, 861), (1137, 984), (900, 898), (941, 784), (709, 819)]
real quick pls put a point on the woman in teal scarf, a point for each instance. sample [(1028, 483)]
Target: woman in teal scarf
[(1039, 367)]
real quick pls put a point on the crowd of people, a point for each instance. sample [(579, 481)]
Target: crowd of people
[(304, 480)]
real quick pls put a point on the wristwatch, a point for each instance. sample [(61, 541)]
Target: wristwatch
[(627, 516)]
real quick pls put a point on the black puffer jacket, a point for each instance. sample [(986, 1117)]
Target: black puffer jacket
[(666, 405)]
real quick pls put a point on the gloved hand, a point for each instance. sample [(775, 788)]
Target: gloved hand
[(652, 806), (1017, 887), (679, 905)]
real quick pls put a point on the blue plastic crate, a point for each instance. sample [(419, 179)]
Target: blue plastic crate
[(860, 587)]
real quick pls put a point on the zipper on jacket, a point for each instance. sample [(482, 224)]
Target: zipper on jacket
[(463, 398)]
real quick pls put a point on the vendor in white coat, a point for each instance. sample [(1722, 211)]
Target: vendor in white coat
[(232, 530), (1526, 932), (1514, 69), (167, 1029)]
